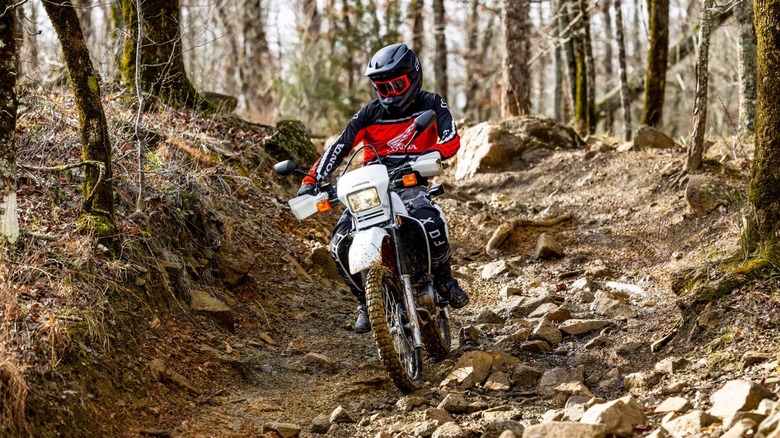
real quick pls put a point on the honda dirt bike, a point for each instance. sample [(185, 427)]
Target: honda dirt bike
[(390, 251)]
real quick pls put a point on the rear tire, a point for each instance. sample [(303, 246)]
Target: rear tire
[(392, 333)]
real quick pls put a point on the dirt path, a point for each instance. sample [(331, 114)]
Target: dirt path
[(627, 228)]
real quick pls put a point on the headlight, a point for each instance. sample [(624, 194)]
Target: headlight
[(363, 200)]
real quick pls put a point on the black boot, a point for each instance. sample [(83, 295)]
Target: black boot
[(447, 286), (362, 325), (452, 292)]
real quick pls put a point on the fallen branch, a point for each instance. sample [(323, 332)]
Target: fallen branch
[(506, 229), (100, 165)]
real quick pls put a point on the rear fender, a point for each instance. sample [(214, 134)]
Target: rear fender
[(367, 249)]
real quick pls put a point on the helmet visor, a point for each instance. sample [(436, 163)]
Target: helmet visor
[(393, 87)]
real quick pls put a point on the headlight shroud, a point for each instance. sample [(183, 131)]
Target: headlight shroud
[(363, 200)]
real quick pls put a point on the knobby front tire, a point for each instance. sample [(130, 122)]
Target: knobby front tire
[(392, 333)]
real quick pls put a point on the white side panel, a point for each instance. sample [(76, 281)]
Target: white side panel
[(366, 249), (305, 205)]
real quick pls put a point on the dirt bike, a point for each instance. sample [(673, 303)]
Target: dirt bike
[(390, 251)]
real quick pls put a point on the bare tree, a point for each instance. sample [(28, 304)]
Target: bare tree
[(590, 65), (162, 65), (440, 60), (415, 14), (624, 92), (696, 146), (581, 76), (516, 97), (256, 60), (98, 203), (762, 233), (746, 46), (9, 220), (655, 79), (609, 116)]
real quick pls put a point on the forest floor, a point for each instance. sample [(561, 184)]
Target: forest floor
[(108, 345)]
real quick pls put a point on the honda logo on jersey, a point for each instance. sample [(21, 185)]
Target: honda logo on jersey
[(398, 143)]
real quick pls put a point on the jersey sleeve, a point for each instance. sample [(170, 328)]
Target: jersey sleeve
[(335, 153), (449, 139)]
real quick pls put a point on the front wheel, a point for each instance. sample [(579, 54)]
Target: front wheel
[(392, 331)]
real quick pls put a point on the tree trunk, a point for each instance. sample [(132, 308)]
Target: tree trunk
[(255, 83), (162, 70), (763, 224), (541, 64), (440, 61), (655, 79), (312, 20), (516, 97), (418, 33), (84, 11), (609, 116), (581, 76), (472, 41), (624, 93), (9, 220), (696, 146), (684, 46), (98, 203), (564, 20), (590, 67), (746, 45)]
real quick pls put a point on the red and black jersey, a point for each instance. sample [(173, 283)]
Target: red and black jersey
[(388, 134)]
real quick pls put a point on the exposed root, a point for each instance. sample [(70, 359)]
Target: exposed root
[(506, 229)]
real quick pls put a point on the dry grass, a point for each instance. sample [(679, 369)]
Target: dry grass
[(13, 393)]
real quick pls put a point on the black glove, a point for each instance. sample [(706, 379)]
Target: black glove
[(307, 189)]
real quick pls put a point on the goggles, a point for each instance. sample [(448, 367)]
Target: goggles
[(392, 87)]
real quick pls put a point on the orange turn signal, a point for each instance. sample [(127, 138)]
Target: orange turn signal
[(323, 206), (409, 180)]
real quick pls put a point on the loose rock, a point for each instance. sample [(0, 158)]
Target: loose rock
[(556, 376), (498, 428), (438, 415), (450, 430), (458, 404), (565, 429), (576, 327), (618, 416), (613, 303), (547, 248), (320, 424), (738, 395), (650, 138), (546, 331), (674, 404), (471, 369), (689, 423), (285, 430), (341, 416), (498, 381), (535, 347)]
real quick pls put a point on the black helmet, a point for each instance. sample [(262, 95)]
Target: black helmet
[(397, 76)]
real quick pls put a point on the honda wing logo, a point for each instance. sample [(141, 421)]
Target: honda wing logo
[(397, 144)]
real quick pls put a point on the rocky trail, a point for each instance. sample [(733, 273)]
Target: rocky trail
[(571, 329), (224, 316)]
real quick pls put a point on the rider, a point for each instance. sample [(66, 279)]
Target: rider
[(387, 125)]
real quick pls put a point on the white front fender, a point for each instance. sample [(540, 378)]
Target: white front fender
[(366, 249)]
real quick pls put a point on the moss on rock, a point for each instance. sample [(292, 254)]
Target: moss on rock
[(292, 141)]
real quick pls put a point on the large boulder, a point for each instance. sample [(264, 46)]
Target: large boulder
[(292, 141), (486, 147), (618, 416), (705, 193), (650, 138), (736, 396), (472, 369)]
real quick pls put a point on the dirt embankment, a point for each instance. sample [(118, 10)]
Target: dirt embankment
[(112, 346)]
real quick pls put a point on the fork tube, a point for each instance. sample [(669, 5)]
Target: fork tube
[(411, 307)]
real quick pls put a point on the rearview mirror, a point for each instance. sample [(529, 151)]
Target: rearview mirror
[(287, 167), (424, 121)]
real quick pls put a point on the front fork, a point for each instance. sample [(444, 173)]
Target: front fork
[(411, 307)]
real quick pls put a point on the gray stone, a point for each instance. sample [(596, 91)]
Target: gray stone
[(642, 380), (767, 406), (674, 404), (671, 365), (525, 377), (285, 430), (469, 334), (421, 429), (438, 415), (744, 415), (754, 357), (341, 416), (596, 342), (204, 302), (737, 395), (613, 303), (546, 331), (553, 415), (458, 404), (498, 381), (689, 423), (510, 291), (551, 312), (318, 361), (771, 424), (647, 137), (409, 402), (450, 430), (496, 429), (471, 369), (742, 428), (704, 194), (503, 362), (566, 390), (494, 269), (521, 307), (535, 346), (320, 424), (618, 416), (575, 407), (554, 377), (547, 247), (489, 317), (565, 429), (520, 335), (576, 327), (658, 433), (628, 348)]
